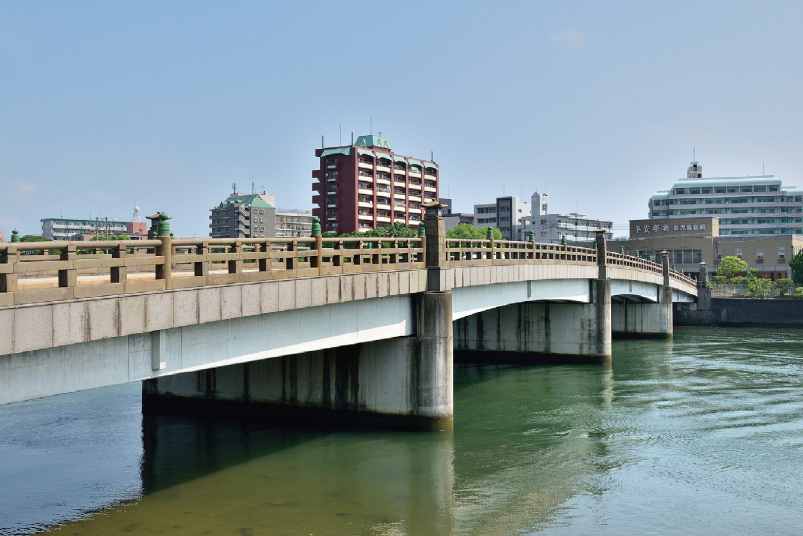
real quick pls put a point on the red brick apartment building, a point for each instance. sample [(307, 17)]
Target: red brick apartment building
[(366, 185)]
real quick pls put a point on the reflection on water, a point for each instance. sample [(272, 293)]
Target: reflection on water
[(700, 435)]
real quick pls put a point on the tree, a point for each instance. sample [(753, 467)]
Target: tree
[(796, 263), (730, 266), (34, 238), (466, 231), (785, 286), (759, 287)]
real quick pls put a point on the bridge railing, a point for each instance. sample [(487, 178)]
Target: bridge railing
[(461, 252), (34, 272)]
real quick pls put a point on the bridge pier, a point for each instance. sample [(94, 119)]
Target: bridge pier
[(566, 330), (403, 382), (643, 320)]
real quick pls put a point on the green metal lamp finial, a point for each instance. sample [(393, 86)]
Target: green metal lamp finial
[(163, 229), (622, 250), (532, 236), (563, 240), (594, 245), (15, 236), (422, 232), (489, 234), (316, 226), (638, 256)]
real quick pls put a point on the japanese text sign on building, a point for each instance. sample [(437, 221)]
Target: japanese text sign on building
[(658, 228)]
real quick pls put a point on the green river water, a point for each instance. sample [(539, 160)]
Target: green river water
[(701, 434)]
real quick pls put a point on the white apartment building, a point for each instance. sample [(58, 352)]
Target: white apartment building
[(506, 214), (744, 205), (65, 228), (551, 228), (293, 223)]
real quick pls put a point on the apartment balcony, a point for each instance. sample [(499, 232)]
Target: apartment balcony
[(382, 219), (364, 204), (412, 210), (383, 181), (433, 190), (415, 174), (365, 165), (382, 193), (382, 168), (365, 217), (383, 204), (400, 171), (365, 191), (415, 198), (398, 196)]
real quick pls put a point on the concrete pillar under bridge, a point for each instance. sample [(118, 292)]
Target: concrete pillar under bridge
[(540, 330), (644, 319), (404, 382)]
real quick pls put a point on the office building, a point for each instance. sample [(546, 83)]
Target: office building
[(506, 214), (293, 223), (552, 228), (744, 205), (692, 240), (366, 185), (243, 216)]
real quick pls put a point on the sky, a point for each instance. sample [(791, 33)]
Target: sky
[(104, 105)]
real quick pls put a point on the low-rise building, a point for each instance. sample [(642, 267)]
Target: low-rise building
[(690, 241), (65, 228), (453, 219)]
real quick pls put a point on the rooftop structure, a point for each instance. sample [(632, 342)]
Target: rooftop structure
[(759, 205), (366, 185)]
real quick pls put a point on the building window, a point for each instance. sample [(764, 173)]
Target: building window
[(739, 252), (781, 254)]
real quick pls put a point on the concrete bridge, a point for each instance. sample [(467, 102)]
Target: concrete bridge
[(339, 328)]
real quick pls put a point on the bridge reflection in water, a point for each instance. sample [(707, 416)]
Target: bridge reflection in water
[(519, 455)]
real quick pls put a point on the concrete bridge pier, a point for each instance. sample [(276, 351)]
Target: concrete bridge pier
[(403, 382), (632, 319)]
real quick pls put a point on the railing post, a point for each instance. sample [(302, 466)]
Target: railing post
[(236, 264), (532, 245), (119, 274), (602, 254), (68, 278), (489, 235), (665, 266), (8, 280), (436, 261), (201, 267), (317, 261), (165, 271)]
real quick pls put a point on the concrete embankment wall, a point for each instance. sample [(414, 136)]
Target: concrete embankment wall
[(742, 312)]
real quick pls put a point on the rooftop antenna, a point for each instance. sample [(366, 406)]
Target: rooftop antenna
[(694, 154), (234, 187), (321, 141), (432, 156), (372, 124), (340, 126), (253, 186), (352, 138)]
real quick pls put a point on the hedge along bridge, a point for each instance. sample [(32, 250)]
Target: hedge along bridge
[(333, 328)]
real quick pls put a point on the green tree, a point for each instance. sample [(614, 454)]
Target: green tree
[(34, 238), (730, 266), (466, 231), (759, 287), (785, 286), (796, 263)]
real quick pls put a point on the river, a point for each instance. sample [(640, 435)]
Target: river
[(701, 434)]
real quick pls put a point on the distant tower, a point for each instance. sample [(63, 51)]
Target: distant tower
[(136, 216), (695, 170), (539, 204)]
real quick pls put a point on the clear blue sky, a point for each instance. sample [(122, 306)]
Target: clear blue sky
[(165, 104)]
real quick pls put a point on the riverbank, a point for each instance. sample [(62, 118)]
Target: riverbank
[(742, 313)]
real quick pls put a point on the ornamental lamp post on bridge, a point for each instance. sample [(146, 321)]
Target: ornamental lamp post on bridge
[(15, 236)]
